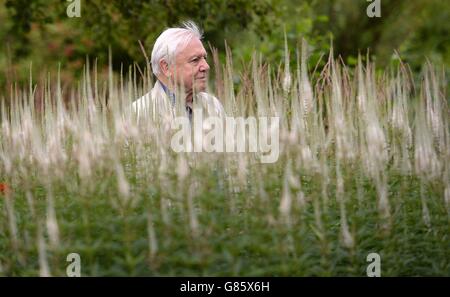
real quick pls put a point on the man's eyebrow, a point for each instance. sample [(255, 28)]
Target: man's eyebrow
[(198, 55)]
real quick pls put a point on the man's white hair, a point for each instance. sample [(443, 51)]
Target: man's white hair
[(171, 41)]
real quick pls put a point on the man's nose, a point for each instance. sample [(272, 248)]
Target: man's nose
[(204, 66)]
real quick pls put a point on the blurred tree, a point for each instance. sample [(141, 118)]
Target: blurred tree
[(414, 28), (40, 30)]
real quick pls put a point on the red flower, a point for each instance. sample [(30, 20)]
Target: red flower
[(4, 188)]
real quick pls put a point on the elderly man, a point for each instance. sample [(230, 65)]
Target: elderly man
[(179, 64)]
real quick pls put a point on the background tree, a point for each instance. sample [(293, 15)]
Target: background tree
[(40, 31)]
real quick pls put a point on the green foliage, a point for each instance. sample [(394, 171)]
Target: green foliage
[(40, 30), (367, 171)]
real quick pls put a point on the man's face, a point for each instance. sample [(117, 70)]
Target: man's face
[(191, 66)]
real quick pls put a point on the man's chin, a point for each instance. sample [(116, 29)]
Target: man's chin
[(201, 87)]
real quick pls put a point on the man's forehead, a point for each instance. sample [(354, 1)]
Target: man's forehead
[(193, 48)]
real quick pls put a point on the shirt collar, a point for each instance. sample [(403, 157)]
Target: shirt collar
[(168, 93), (172, 98)]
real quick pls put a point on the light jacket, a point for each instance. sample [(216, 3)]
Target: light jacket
[(158, 103)]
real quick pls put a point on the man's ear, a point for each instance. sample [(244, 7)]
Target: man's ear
[(165, 68)]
